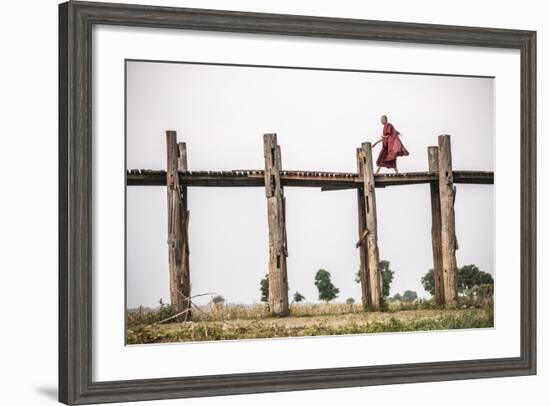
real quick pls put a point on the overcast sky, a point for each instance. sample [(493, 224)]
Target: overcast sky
[(320, 117)]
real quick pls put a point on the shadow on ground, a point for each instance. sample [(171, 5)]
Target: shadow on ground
[(49, 392)]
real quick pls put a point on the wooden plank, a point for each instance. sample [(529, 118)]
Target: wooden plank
[(363, 232), (362, 239), (433, 166), (278, 280), (324, 180), (369, 195), (448, 237)]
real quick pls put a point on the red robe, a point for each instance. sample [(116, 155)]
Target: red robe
[(392, 147)]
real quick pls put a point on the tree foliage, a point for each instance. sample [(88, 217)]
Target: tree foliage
[(428, 282), (397, 297), (387, 277), (409, 296), (218, 299), (298, 297), (327, 291), (469, 277), (264, 288)]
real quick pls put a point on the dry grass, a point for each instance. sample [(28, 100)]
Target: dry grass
[(230, 322), (241, 312)]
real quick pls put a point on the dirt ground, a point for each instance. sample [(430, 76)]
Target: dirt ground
[(337, 320)]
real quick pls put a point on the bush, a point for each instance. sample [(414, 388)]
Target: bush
[(218, 300), (150, 316), (298, 297), (486, 291)]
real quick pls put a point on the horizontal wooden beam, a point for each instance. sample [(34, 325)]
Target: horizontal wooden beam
[(324, 180)]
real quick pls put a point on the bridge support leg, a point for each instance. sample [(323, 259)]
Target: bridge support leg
[(369, 198), (178, 221), (448, 237), (361, 245), (278, 281), (433, 166)]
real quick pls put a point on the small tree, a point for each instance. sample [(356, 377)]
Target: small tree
[(470, 278), (428, 282), (397, 298), (218, 299), (298, 297), (350, 301), (165, 310), (327, 291), (387, 277), (264, 288), (409, 296)]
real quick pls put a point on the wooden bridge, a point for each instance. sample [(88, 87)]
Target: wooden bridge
[(324, 180), (440, 177)]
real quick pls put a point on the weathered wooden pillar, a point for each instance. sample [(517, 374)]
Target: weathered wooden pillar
[(184, 281), (433, 166), (369, 196), (178, 250), (278, 281), (361, 244), (448, 237)]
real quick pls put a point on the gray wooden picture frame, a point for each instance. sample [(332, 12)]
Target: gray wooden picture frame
[(76, 20)]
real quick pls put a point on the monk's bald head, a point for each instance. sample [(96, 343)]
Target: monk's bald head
[(384, 119)]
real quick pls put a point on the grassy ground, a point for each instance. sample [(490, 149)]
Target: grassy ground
[(233, 322)]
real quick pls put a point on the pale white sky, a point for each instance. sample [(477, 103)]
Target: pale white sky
[(320, 118)]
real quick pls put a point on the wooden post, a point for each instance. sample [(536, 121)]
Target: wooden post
[(184, 281), (369, 196), (362, 245), (448, 237), (178, 260), (278, 281), (433, 166)]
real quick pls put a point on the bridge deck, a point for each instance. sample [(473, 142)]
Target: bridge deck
[(324, 180)]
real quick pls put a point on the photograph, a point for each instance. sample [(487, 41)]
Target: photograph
[(269, 202)]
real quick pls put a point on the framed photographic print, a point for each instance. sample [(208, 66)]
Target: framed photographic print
[(259, 202)]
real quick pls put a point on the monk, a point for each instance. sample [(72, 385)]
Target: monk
[(392, 147)]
